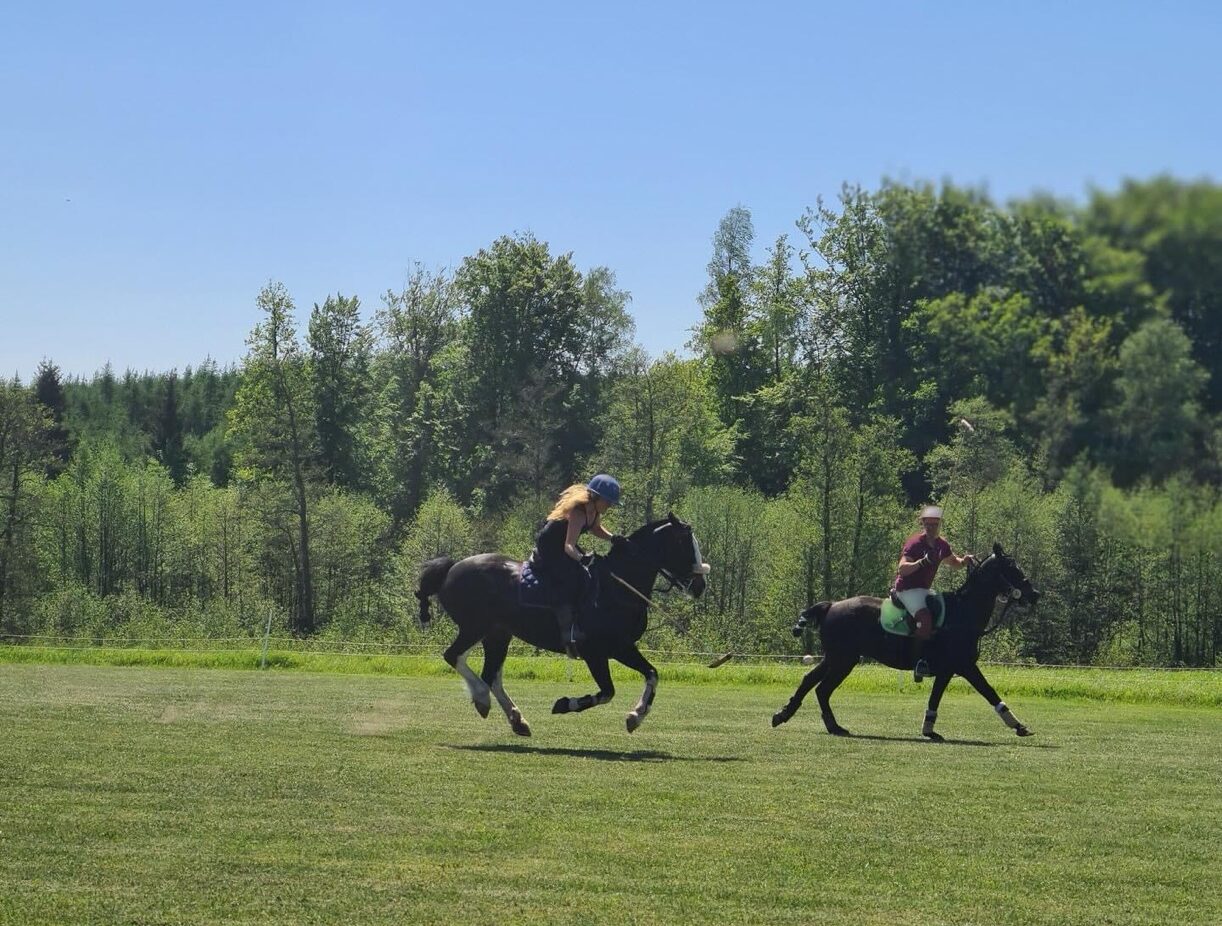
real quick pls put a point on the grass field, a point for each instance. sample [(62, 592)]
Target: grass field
[(171, 795)]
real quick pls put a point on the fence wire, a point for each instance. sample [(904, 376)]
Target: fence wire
[(207, 645)]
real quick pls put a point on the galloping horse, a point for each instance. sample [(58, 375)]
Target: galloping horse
[(850, 629), (481, 594)]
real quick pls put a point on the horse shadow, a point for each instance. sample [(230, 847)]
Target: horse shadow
[(948, 741), (602, 755)]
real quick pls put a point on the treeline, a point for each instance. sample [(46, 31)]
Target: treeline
[(1047, 371)]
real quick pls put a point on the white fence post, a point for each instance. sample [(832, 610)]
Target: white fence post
[(267, 634)]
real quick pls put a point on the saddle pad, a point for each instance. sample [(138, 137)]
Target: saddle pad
[(893, 619), (532, 591)]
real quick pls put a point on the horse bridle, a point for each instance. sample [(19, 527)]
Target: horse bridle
[(699, 568), (1011, 595)]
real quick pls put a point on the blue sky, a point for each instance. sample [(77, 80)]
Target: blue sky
[(161, 162)]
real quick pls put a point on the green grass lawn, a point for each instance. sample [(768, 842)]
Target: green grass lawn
[(166, 795)]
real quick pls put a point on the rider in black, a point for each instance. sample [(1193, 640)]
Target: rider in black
[(560, 562)]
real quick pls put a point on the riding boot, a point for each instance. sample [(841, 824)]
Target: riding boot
[(570, 635), (922, 633)]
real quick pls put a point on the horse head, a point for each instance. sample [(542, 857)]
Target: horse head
[(1005, 578), (672, 546)]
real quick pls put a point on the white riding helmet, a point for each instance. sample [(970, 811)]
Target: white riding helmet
[(931, 511)]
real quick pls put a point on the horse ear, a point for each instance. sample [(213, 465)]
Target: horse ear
[(997, 550), (670, 516)]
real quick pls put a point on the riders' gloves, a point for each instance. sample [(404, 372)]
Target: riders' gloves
[(587, 561)]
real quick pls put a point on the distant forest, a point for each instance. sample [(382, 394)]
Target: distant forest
[(1049, 371)]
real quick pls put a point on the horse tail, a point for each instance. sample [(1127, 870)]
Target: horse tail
[(432, 576), (811, 617)]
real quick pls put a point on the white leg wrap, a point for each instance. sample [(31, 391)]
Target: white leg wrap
[(476, 687), (503, 699), (1006, 717)]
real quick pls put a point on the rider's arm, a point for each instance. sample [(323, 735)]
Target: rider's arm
[(577, 520), (599, 531), (958, 562), (909, 566)]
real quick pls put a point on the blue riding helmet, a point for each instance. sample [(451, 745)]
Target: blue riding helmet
[(605, 487)]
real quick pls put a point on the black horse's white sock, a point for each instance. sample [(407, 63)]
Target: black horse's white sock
[(1007, 718)]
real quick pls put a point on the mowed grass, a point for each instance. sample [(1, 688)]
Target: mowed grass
[(162, 795)]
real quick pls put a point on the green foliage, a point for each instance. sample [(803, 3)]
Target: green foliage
[(1047, 372)]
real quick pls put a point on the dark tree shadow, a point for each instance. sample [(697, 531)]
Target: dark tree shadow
[(603, 755)]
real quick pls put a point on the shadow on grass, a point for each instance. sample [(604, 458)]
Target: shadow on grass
[(603, 755), (920, 740)]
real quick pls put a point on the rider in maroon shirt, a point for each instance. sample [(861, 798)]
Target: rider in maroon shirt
[(923, 553)]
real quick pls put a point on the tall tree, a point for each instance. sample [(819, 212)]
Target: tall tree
[(1158, 418), (1177, 227), (168, 438), (340, 349), (49, 390), (272, 420), (416, 414), (523, 324), (25, 428)]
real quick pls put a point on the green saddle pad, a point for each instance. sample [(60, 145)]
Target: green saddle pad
[(893, 619)]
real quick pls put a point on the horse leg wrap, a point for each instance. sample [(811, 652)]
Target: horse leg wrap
[(931, 717), (1006, 717)]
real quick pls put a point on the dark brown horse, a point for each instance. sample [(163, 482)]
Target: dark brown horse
[(850, 629), (481, 594)]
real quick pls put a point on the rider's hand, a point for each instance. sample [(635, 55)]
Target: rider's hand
[(969, 559), (617, 539), (587, 561)]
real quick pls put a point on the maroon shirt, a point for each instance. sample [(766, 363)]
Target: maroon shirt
[(916, 547)]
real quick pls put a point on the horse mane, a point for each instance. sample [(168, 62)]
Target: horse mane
[(647, 530)]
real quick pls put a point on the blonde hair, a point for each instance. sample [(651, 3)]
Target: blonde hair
[(575, 496)]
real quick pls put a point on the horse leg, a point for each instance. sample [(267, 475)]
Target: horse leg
[(456, 655), (931, 710), (633, 658), (809, 680), (977, 680), (599, 668), (496, 648), (836, 674)]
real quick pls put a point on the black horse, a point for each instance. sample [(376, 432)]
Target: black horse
[(481, 594), (850, 629)]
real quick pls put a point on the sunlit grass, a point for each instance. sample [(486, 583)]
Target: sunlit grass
[(141, 795), (1134, 686)]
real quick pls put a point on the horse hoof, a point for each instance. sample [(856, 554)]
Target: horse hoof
[(561, 706), (779, 718), (632, 721), (518, 725), (1020, 730), (935, 737), (483, 707), (838, 731)]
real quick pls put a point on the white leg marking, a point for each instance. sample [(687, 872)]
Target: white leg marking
[(476, 686), (506, 702)]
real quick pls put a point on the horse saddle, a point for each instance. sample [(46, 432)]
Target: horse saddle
[(536, 590), (894, 617), (533, 592)]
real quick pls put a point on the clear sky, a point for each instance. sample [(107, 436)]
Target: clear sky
[(161, 161)]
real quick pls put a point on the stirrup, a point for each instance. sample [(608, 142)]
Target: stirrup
[(920, 671)]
